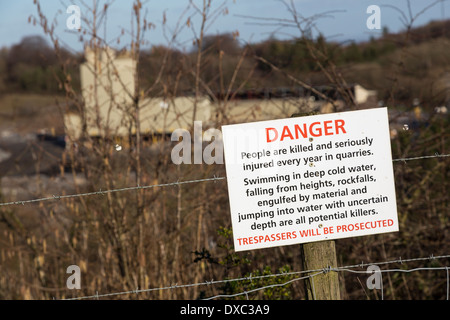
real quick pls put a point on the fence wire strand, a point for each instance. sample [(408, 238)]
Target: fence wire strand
[(175, 183), (103, 192), (311, 275), (436, 155)]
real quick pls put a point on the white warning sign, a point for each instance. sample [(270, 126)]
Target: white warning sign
[(309, 179)]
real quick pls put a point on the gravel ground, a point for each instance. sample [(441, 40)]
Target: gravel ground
[(31, 167)]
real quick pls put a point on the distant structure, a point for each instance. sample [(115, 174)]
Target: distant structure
[(108, 88), (106, 84), (362, 95)]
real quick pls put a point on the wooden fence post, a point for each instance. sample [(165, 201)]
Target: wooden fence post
[(320, 255)]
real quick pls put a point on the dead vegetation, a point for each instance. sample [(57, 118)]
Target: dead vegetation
[(181, 234)]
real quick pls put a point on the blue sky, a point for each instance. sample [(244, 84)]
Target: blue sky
[(348, 24)]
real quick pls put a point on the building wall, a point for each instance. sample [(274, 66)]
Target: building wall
[(362, 94), (107, 96), (109, 104)]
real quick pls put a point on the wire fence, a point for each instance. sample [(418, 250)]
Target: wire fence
[(300, 275), (175, 183), (103, 192), (436, 155)]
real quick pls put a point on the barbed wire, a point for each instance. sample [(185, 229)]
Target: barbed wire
[(103, 192), (264, 287), (311, 274), (334, 270), (215, 178), (436, 155), (399, 260)]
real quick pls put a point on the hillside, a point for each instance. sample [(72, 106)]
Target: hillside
[(133, 219), (406, 65)]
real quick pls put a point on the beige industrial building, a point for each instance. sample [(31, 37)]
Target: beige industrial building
[(107, 83)]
